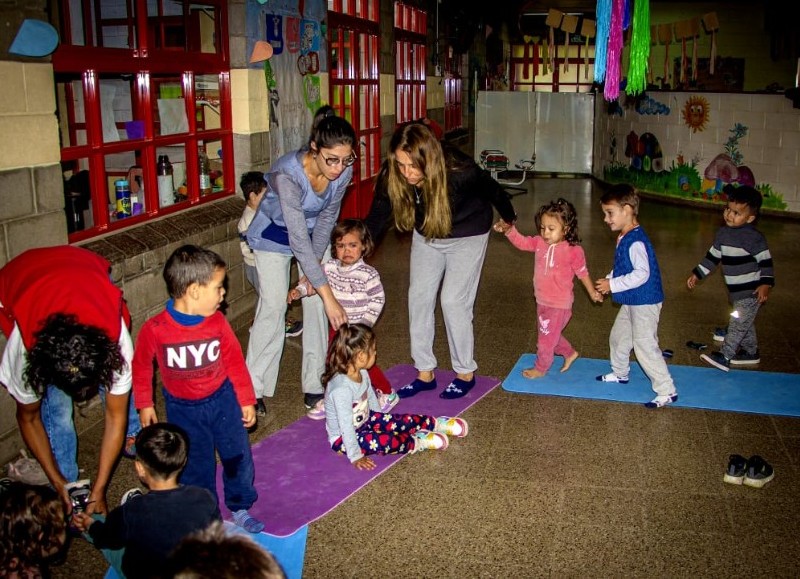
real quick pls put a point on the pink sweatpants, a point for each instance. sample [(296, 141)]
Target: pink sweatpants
[(550, 342)]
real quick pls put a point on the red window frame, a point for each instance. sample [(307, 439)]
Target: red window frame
[(453, 85), (144, 60), (410, 28)]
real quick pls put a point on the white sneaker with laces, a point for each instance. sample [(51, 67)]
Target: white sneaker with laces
[(611, 377)]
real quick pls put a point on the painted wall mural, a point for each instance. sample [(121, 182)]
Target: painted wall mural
[(685, 178)]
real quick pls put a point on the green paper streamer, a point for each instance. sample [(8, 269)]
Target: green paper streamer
[(640, 48)]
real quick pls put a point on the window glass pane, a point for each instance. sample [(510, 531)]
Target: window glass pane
[(171, 184), (203, 28), (117, 110), (169, 105), (123, 172), (206, 89), (210, 179), (77, 195), (165, 25), (70, 110)]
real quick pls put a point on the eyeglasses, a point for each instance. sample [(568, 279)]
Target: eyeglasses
[(333, 161)]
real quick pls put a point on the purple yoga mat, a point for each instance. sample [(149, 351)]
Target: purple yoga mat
[(299, 478)]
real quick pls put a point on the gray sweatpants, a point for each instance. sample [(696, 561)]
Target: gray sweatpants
[(742, 329), (455, 265), (268, 332), (636, 328)]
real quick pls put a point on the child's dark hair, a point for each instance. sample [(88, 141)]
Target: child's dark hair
[(328, 130), (163, 449), (565, 212), (32, 528), (252, 182), (190, 264), (347, 342), (745, 195), (356, 226), (73, 357), (622, 194), (215, 553)]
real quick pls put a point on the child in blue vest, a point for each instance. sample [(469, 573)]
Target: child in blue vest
[(635, 284)]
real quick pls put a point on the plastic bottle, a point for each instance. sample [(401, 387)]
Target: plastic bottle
[(205, 172), (166, 185), (123, 195)]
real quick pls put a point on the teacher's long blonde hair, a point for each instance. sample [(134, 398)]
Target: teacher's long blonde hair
[(426, 153)]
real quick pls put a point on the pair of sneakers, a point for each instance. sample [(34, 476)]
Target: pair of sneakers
[(437, 439), (753, 472)]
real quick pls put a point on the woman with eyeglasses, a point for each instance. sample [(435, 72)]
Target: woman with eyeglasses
[(294, 220), (448, 201)]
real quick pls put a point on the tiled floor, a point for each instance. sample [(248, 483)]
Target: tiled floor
[(550, 486)]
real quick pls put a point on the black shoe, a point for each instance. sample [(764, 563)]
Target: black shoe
[(129, 494), (261, 408), (717, 360), (737, 468), (759, 472), (745, 359), (310, 400)]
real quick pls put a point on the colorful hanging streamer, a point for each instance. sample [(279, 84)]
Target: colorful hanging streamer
[(614, 56), (601, 42), (640, 48)]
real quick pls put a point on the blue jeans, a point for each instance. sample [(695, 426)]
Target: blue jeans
[(57, 418), (215, 423)]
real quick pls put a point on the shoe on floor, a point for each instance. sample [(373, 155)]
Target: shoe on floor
[(661, 401), (457, 388), (129, 494), (737, 468), (457, 427), (317, 412), (415, 387), (261, 408), (243, 519), (427, 440), (745, 359), (293, 327), (388, 401), (759, 472), (719, 334), (310, 400), (611, 377), (717, 360), (129, 448), (79, 494)]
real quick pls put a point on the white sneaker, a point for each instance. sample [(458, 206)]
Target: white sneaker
[(661, 401), (129, 494), (427, 440), (388, 401), (317, 411), (611, 377)]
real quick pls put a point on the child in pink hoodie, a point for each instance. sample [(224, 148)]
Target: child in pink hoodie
[(559, 258)]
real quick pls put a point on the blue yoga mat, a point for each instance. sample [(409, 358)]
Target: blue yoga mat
[(288, 551), (698, 387)]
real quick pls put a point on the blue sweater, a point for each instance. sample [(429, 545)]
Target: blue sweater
[(650, 292)]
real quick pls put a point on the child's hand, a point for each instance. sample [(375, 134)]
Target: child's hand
[(248, 416), (81, 521), (762, 293), (364, 463), (603, 286), (501, 226), (294, 294), (597, 297), (692, 281), (147, 416)]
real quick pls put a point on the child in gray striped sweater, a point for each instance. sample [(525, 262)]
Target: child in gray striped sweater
[(357, 286)]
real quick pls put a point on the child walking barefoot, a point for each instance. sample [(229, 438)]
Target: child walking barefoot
[(356, 426), (559, 258)]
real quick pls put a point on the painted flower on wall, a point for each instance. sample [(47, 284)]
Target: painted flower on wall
[(695, 113)]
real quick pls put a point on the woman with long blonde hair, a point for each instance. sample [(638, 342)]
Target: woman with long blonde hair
[(447, 200)]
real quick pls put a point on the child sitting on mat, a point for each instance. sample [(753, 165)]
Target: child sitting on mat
[(355, 424), (559, 258), (357, 286)]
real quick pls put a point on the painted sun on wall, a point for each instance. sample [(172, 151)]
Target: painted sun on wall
[(647, 171), (696, 113)]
